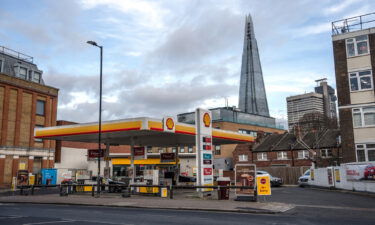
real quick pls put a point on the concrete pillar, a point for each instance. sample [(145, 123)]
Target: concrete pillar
[(2, 164), (16, 160), (30, 164)]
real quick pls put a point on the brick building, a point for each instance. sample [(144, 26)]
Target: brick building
[(354, 57), (283, 150), (25, 103)]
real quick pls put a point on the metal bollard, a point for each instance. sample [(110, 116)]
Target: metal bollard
[(171, 191), (93, 191), (21, 191), (32, 189), (61, 188)]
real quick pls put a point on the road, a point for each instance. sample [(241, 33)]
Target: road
[(313, 207)]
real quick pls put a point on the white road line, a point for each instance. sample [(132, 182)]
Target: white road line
[(11, 217), (57, 221)]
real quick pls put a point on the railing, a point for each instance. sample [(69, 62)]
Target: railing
[(353, 24), (16, 54), (126, 190)]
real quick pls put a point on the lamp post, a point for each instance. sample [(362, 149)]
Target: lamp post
[(93, 43)]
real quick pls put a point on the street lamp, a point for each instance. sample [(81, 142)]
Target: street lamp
[(93, 43)]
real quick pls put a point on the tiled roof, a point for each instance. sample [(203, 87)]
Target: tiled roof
[(288, 141)]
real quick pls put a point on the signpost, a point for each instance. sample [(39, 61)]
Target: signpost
[(203, 143), (245, 176), (139, 153), (263, 185)]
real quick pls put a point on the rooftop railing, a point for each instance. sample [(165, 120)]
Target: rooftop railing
[(16, 54), (353, 24)]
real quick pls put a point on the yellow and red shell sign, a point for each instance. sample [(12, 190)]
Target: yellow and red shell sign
[(207, 120), (169, 123)]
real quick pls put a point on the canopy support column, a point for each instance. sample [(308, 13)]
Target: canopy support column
[(132, 159)]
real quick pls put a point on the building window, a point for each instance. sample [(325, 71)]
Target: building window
[(303, 154), (249, 132), (282, 155), (36, 77), (38, 139), (149, 149), (365, 152), (174, 149), (40, 107), (217, 149), (326, 153), (364, 117), (243, 158), (22, 72), (190, 149), (357, 46), (262, 156), (361, 81), (1, 65), (182, 149), (161, 150)]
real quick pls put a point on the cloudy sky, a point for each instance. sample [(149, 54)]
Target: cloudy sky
[(168, 57)]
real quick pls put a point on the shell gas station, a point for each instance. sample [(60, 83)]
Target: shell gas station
[(144, 131)]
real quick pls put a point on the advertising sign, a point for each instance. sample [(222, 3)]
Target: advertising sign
[(364, 171), (94, 153), (329, 175), (169, 124), (263, 185), (167, 157), (337, 175), (203, 144), (245, 176), (139, 153), (22, 177)]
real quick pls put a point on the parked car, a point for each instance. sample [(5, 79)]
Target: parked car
[(186, 179), (370, 172), (304, 179), (275, 181), (115, 186)]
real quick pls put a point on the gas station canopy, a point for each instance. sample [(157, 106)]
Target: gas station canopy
[(141, 131)]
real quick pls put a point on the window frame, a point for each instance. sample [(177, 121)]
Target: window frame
[(44, 107), (190, 149), (358, 79), (1, 65), (282, 153), (355, 43), (326, 151), (364, 148), (305, 154), (360, 111), (243, 158), (262, 158)]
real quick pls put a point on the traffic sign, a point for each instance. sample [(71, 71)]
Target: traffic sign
[(263, 185)]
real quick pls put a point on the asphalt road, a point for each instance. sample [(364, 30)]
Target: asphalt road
[(313, 207)]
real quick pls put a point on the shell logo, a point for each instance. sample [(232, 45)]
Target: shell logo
[(169, 123), (207, 120)]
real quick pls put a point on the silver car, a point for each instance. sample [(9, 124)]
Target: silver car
[(304, 179)]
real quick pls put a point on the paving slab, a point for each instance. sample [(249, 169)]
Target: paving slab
[(137, 201)]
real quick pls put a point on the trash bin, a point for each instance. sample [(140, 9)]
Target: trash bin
[(223, 193)]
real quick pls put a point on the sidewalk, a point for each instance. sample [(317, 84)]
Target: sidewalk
[(179, 203)]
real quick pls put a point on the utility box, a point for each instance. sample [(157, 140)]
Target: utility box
[(49, 176)]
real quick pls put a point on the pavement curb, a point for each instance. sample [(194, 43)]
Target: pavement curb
[(260, 211)]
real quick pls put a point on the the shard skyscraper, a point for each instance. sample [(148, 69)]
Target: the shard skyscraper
[(252, 98)]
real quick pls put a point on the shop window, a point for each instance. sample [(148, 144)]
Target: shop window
[(243, 158), (364, 117), (303, 154), (182, 149), (40, 107), (282, 155), (262, 156), (326, 153), (120, 170), (190, 149), (361, 81), (217, 149), (357, 46)]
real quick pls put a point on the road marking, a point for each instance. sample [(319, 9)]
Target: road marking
[(10, 217), (57, 221), (336, 207)]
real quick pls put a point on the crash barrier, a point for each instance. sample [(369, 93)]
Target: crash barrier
[(349, 176), (126, 190)]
